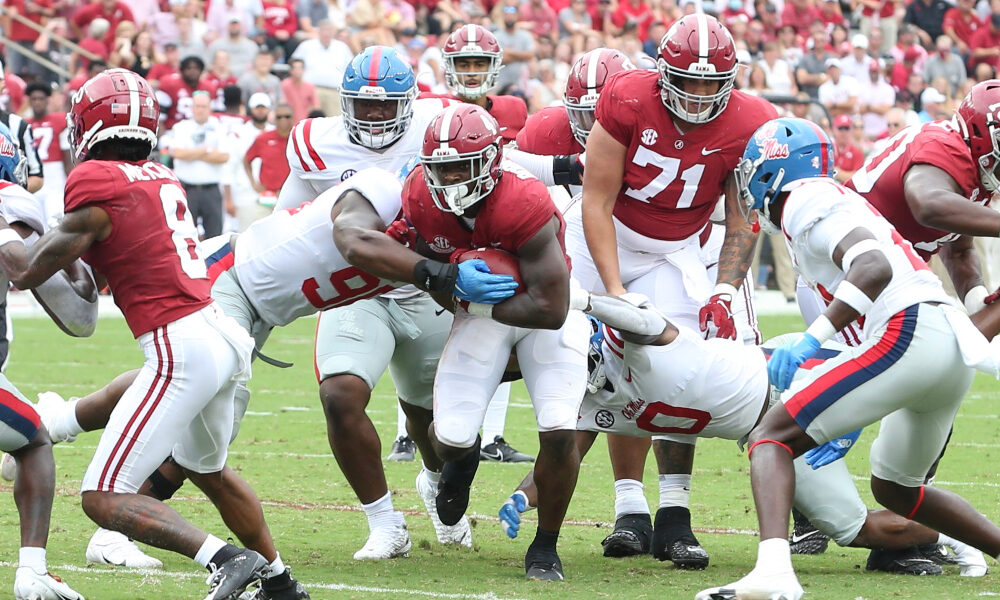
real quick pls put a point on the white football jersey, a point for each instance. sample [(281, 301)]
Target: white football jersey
[(690, 387), (818, 214), (19, 205), (321, 154), (288, 264)]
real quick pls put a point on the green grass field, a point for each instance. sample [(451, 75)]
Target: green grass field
[(315, 519)]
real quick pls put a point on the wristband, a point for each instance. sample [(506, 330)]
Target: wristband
[(434, 276), (857, 250), (975, 299), (849, 294), (480, 310), (579, 298), (725, 288), (821, 329), (9, 235)]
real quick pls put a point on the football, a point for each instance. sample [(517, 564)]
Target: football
[(499, 261)]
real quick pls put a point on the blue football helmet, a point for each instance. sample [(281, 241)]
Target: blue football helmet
[(13, 166), (780, 152), (596, 378), (378, 74)]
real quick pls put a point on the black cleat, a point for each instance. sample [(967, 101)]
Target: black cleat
[(403, 450), (290, 590), (452, 498), (228, 580), (674, 540), (805, 538), (501, 451), (938, 554), (631, 536), (542, 566), (908, 561)]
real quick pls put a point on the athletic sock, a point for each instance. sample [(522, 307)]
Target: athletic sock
[(275, 570), (215, 551), (544, 543), (773, 557), (629, 498), (462, 472), (380, 513), (675, 490), (33, 558), (432, 477)]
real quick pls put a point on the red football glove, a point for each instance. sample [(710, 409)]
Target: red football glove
[(401, 231), (716, 317)]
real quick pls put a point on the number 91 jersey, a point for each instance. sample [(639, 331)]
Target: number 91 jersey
[(288, 264), (672, 181)]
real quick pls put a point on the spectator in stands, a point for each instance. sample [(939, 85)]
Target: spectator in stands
[(812, 68), (789, 45), (310, 13), (856, 63), (97, 30), (829, 13), (575, 23), (633, 15), (908, 47), (176, 91), (95, 67), (518, 47), (189, 40), (777, 71), (756, 81), (903, 69), (931, 102), (325, 59), (371, 25), (163, 25), (895, 120), (880, 14), (238, 196), (927, 17), (265, 161), (199, 151), (220, 12), (541, 17), (143, 11), (49, 131), (23, 36), (240, 48), (839, 93), (875, 43), (220, 75), (800, 14), (858, 135), (915, 87), (144, 54), (985, 44), (114, 11), (874, 101), (947, 64), (848, 158), (280, 27), (121, 54), (602, 17), (260, 79), (960, 23), (399, 15), (171, 64), (299, 93), (984, 71)]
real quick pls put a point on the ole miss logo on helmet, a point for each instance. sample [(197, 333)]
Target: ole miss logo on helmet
[(7, 149)]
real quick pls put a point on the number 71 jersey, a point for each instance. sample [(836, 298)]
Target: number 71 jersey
[(288, 264), (672, 181)]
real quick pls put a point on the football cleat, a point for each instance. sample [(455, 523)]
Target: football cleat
[(266, 590), (8, 467), (908, 561), (938, 554), (805, 538), (385, 543), (972, 561), (674, 540), (403, 450), (29, 585), (112, 548), (460, 533), (631, 536), (228, 580), (542, 566), (52, 409), (776, 586), (500, 451)]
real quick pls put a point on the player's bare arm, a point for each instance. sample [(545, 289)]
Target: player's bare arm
[(737, 247), (936, 201), (962, 262), (870, 272), (79, 229), (359, 234), (600, 192), (546, 284)]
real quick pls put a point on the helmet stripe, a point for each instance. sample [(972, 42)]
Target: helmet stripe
[(592, 63), (824, 147), (702, 38), (133, 99), (446, 118), (471, 32), (373, 66)]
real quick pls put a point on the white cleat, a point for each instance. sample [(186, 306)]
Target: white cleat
[(8, 468), (52, 409), (459, 533), (781, 586), (386, 542), (29, 585), (112, 548), (972, 561)]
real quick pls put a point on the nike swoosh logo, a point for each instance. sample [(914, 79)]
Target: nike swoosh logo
[(706, 152), (798, 538), (438, 313), (498, 456), (628, 379)]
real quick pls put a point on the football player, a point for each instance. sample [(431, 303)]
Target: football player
[(640, 361), (908, 371), (463, 196), (182, 401), (22, 435), (49, 132), (668, 141), (176, 90)]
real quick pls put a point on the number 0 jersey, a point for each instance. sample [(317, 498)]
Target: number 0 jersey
[(151, 258), (672, 181), (288, 264)]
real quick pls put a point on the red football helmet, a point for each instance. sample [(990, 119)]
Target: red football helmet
[(461, 157), (471, 41), (584, 84), (696, 47), (115, 104), (978, 118)]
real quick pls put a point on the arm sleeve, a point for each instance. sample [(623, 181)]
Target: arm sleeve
[(294, 192)]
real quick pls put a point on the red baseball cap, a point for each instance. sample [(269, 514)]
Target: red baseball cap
[(842, 121)]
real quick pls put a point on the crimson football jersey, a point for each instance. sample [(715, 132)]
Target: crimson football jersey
[(880, 179), (547, 132), (672, 180), (174, 97), (49, 134), (151, 258), (512, 214), (509, 111)]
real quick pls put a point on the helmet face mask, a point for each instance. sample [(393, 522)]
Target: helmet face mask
[(978, 120), (472, 61), (458, 194), (696, 47), (376, 97)]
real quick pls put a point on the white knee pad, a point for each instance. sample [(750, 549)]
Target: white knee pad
[(456, 432), (557, 415)]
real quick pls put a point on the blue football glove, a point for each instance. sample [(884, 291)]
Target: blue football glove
[(786, 359), (477, 284), (510, 513), (835, 449)]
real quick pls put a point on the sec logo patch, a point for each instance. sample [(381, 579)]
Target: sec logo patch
[(347, 174), (649, 136), (604, 419)]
